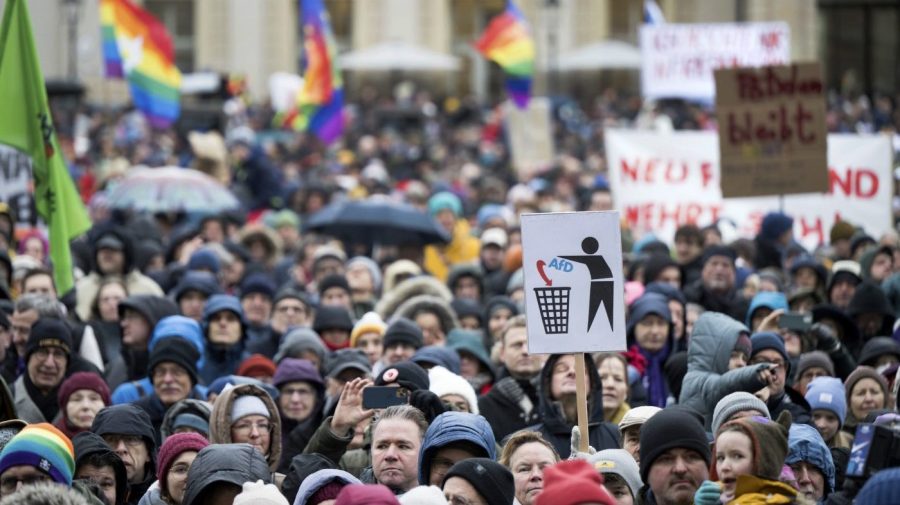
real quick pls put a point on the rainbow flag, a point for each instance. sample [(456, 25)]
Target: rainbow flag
[(508, 41), (137, 46), (320, 101)]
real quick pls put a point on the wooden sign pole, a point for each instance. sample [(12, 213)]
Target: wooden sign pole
[(581, 398)]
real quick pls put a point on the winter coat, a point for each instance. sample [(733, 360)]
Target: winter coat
[(511, 405), (806, 444), (26, 408), (452, 427), (708, 379), (409, 288), (221, 361), (296, 435), (220, 420), (793, 402), (334, 447), (130, 420), (87, 444), (558, 431), (200, 408), (316, 481), (7, 403), (463, 248), (232, 463), (430, 303), (752, 490), (153, 496), (261, 339)]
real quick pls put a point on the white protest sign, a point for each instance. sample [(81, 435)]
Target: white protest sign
[(661, 181), (16, 183), (530, 135), (574, 288), (678, 60)]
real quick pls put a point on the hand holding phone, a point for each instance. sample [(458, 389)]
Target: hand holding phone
[(382, 397)]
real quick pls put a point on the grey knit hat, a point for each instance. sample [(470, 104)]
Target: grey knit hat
[(299, 340), (619, 462), (734, 403)]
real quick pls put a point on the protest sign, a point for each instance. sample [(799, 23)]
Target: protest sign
[(573, 282), (661, 181), (16, 184), (530, 135), (772, 136), (678, 60)]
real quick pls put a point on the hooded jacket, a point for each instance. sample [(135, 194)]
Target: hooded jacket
[(411, 307), (557, 430), (131, 364), (407, 289), (87, 444), (463, 248), (451, 427), (708, 379), (511, 405), (187, 406), (220, 420), (231, 463), (318, 480), (222, 359), (806, 444), (130, 420)]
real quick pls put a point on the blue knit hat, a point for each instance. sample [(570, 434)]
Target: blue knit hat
[(881, 489), (218, 303), (827, 393), (204, 259), (772, 300), (774, 224), (769, 340), (444, 200)]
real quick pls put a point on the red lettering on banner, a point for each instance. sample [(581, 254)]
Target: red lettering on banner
[(706, 172), (857, 182), (782, 124), (754, 86), (654, 216), (654, 170), (814, 228)]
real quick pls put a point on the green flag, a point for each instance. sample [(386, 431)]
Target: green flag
[(25, 124)]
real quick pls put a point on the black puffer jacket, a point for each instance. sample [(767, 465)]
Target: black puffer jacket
[(88, 444), (128, 419), (229, 463)]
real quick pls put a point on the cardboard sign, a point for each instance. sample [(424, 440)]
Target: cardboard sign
[(16, 184), (772, 135), (530, 135), (678, 60), (574, 290), (661, 181)]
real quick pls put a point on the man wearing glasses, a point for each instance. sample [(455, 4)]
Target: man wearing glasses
[(769, 348), (173, 373), (46, 354), (128, 431)]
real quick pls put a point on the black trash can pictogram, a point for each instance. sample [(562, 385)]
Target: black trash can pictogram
[(553, 304)]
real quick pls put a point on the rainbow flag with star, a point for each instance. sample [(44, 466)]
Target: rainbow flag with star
[(137, 47), (507, 41), (320, 101)]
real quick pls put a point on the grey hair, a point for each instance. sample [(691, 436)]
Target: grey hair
[(44, 305), (405, 413)]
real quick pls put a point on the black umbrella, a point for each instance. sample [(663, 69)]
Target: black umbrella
[(377, 221)]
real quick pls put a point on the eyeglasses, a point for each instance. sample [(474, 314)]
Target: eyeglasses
[(129, 440), (161, 371), (247, 427), (9, 484), (42, 353)]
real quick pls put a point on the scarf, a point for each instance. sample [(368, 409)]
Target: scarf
[(654, 379), (337, 347), (47, 404)]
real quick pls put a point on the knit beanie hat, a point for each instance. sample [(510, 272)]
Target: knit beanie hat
[(248, 405), (743, 344), (637, 417), (493, 481), (865, 372), (841, 230), (371, 266), (260, 493), (403, 331), (407, 374), (423, 495), (329, 491), (769, 440), (333, 281), (814, 359), (258, 283), (774, 224), (48, 332), (618, 462), (256, 365), (298, 341), (881, 489), (44, 447), (175, 350), (719, 250), (370, 322), (366, 494), (445, 200), (827, 393), (437, 355), (173, 446), (204, 259), (83, 380), (572, 482), (297, 370), (330, 317), (444, 382), (671, 428), (769, 340), (732, 404)]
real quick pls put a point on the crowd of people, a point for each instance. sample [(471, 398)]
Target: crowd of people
[(226, 357)]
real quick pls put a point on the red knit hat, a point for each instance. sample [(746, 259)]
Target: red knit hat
[(256, 366), (82, 380), (171, 449), (572, 482)]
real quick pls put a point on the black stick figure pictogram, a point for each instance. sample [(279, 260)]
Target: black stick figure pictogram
[(601, 279)]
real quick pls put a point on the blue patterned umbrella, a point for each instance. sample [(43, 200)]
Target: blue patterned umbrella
[(171, 189)]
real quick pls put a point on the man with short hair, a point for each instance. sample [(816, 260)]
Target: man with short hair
[(47, 353), (715, 290), (128, 431), (27, 310), (396, 442), (675, 457), (688, 252), (39, 281)]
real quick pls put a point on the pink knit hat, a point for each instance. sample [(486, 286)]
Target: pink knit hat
[(172, 448)]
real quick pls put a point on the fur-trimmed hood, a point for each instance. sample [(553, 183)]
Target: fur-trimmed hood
[(409, 288), (436, 304), (220, 419)]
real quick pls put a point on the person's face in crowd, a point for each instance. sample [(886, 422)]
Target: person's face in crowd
[(289, 235), (135, 329), (110, 261), (108, 299), (297, 400), (46, 367), (398, 352), (792, 343), (841, 292), (82, 407), (675, 476), (865, 397), (869, 323), (498, 318), (430, 324), (467, 288), (515, 357), (469, 323), (807, 376), (212, 231), (810, 480), (41, 284), (447, 219), (774, 357), (395, 453), (614, 379), (601, 200), (191, 304), (885, 361), (334, 385), (827, 423), (631, 442), (458, 491), (527, 465), (224, 328), (734, 457), (686, 250), (670, 275), (14, 477), (806, 278), (491, 257), (469, 366), (882, 266), (737, 360), (457, 402), (255, 430), (176, 479), (34, 248), (562, 380), (336, 297), (233, 271), (257, 308), (103, 476), (362, 287), (758, 315), (21, 323), (327, 266), (443, 459), (288, 313), (171, 382), (718, 274), (133, 451), (335, 336), (651, 332), (372, 344)]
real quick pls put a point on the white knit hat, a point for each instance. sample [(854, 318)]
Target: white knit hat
[(258, 493), (423, 495), (444, 382), (247, 405)]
